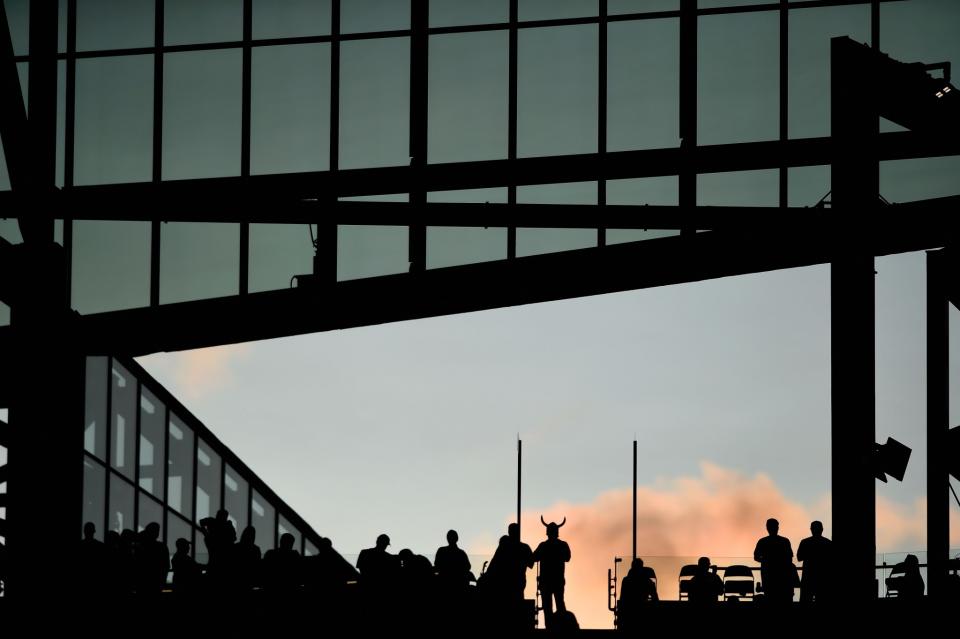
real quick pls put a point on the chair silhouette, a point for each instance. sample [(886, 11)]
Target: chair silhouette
[(686, 574), (650, 574), (895, 580), (738, 582)]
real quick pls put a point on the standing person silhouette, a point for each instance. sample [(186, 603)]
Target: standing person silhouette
[(552, 555), (816, 553), (452, 564), (775, 555)]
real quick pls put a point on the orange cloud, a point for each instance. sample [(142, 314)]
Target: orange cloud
[(720, 513), (206, 370)]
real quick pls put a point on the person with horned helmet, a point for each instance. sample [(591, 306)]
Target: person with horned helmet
[(552, 555)]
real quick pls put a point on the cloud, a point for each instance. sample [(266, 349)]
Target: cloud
[(720, 513), (204, 371)]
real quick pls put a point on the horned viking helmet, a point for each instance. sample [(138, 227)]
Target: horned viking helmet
[(553, 528)]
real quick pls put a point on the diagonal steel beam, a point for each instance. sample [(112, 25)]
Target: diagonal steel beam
[(13, 115)]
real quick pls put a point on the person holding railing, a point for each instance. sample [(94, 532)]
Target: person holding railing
[(775, 555)]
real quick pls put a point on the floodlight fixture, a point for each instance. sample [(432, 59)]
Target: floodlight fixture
[(891, 459)]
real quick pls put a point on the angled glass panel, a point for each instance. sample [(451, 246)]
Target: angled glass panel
[(290, 18), (189, 21), (115, 24), (555, 9), (809, 59), (489, 196), (738, 87), (532, 241), (919, 179), (177, 528), (285, 527), (557, 90), (615, 7), (451, 13), (120, 514), (369, 251), (263, 519), (180, 472), (149, 511), (10, 230), (111, 265), (201, 114), (198, 261), (807, 185), (655, 191), (374, 15), (921, 31), (643, 84), (114, 120), (123, 422), (739, 188), (95, 407), (712, 4), (290, 109), (452, 246), (236, 498), (18, 19), (4, 180), (468, 100), (4, 314), (375, 103), (208, 481), (566, 193), (309, 549), (94, 495), (61, 151), (153, 443), (277, 253)]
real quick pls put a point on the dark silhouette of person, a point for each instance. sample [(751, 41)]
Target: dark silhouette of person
[(245, 561), (93, 562), (909, 585), (115, 564), (282, 570), (219, 536), (152, 561), (186, 572), (127, 560), (637, 590), (552, 554), (705, 585), (452, 564), (816, 553), (378, 567), (775, 555)]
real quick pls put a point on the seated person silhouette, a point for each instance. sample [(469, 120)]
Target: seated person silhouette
[(636, 591), (909, 582), (705, 586)]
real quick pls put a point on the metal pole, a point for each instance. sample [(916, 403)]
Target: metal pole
[(519, 471), (634, 520)]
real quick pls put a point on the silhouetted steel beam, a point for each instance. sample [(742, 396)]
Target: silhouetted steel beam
[(209, 198), (477, 287), (939, 282)]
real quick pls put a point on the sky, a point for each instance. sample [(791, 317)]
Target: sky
[(411, 428)]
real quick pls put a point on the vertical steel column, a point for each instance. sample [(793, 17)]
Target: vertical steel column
[(419, 69), (784, 98), (325, 259), (634, 520), (688, 106), (157, 146), (855, 186), (512, 120), (519, 480), (69, 126), (244, 284), (938, 423), (602, 116)]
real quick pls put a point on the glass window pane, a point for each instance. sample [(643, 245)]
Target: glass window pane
[(809, 55), (290, 109), (150, 511), (180, 474), (262, 518), (189, 21), (201, 114), (123, 408), (492, 195), (286, 527), (807, 185), (153, 442), (557, 92), (114, 24), (710, 4), (921, 31), (738, 77), (10, 230), (4, 314), (468, 96), (374, 15), (4, 184), (569, 193), (95, 407), (739, 188), (661, 191), (451, 245), (552, 9), (540, 241), (114, 120), (308, 548), (94, 495), (375, 103), (615, 7), (919, 179), (198, 260), (235, 498), (290, 18), (621, 236), (277, 253), (18, 19), (208, 481), (120, 516), (368, 251), (451, 13), (177, 528), (111, 265), (643, 84)]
